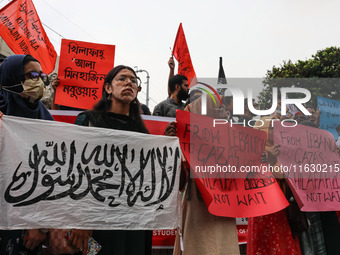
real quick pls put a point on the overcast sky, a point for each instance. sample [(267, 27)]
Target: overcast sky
[(250, 35)]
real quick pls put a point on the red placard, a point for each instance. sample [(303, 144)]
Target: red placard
[(226, 163), (311, 163), (21, 29), (82, 70)]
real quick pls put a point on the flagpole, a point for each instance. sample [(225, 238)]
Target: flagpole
[(147, 85)]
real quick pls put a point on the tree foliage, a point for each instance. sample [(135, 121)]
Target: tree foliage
[(323, 68)]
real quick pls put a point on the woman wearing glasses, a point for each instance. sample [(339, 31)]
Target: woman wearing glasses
[(22, 85), (119, 109)]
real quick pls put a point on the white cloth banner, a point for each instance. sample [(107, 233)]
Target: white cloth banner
[(59, 175)]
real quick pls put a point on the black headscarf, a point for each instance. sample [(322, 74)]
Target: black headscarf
[(11, 74)]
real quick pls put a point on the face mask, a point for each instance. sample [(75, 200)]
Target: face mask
[(34, 90)]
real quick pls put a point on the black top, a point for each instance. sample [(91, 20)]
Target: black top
[(117, 242), (107, 120)]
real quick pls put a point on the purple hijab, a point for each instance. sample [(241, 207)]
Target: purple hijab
[(12, 73)]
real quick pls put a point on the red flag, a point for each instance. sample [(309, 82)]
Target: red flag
[(182, 55), (21, 29)]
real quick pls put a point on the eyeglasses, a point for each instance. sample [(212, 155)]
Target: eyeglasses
[(122, 80), (35, 76)]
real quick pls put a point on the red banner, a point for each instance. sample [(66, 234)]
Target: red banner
[(21, 29), (182, 55), (82, 70), (155, 125), (226, 163)]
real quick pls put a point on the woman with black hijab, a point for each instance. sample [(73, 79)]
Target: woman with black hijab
[(22, 86)]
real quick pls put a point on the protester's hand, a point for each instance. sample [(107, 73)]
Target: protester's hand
[(171, 63), (55, 83), (170, 129), (272, 154), (33, 238), (1, 114), (79, 239), (338, 150), (317, 112)]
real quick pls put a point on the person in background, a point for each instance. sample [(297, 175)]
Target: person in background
[(119, 109), (247, 117), (193, 95), (49, 99), (179, 88), (204, 233), (272, 233), (144, 109), (315, 117)]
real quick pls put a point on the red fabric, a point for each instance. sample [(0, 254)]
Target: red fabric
[(242, 233), (271, 234), (155, 127), (182, 55), (21, 29)]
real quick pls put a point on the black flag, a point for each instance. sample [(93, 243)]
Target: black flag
[(221, 78)]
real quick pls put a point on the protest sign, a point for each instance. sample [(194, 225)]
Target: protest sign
[(330, 114), (310, 162), (82, 70), (69, 176), (226, 164), (21, 29)]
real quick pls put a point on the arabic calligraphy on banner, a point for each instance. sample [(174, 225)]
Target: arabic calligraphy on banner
[(78, 173)]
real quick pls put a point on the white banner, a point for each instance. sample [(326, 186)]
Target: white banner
[(59, 175)]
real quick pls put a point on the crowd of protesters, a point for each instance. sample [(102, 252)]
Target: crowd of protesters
[(22, 87)]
